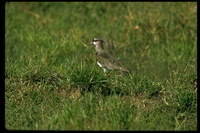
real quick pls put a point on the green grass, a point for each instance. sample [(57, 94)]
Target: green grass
[(52, 81)]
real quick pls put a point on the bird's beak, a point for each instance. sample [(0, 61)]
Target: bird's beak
[(90, 43)]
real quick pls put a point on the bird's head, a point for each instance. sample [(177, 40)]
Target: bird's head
[(96, 41)]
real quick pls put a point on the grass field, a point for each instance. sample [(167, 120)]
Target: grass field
[(52, 81)]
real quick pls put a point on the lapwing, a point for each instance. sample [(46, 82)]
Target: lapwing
[(104, 59)]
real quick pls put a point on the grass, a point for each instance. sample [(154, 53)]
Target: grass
[(52, 81)]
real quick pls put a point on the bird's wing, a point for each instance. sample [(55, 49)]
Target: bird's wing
[(109, 62)]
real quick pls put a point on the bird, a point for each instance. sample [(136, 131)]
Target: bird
[(105, 60)]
